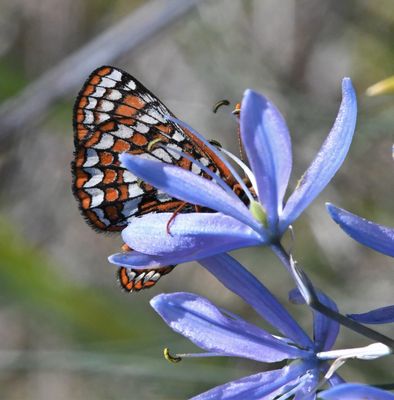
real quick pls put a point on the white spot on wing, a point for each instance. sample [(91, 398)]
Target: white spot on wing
[(131, 84), (106, 142), (148, 276), (178, 137), (96, 176), (196, 169), (101, 117), (131, 274), (106, 105), (139, 277), (107, 83), (135, 190), (116, 75), (114, 95), (92, 103), (123, 132), (141, 128), (97, 196), (162, 155), (147, 119), (88, 117), (204, 161), (173, 153), (91, 158), (99, 92), (129, 177), (156, 115)]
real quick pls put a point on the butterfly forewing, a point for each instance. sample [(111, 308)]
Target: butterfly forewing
[(113, 114)]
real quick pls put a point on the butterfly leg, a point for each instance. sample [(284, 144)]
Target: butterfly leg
[(173, 216)]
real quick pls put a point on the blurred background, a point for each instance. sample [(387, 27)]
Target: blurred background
[(66, 329)]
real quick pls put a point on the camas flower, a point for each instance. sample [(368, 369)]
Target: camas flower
[(221, 333), (233, 225)]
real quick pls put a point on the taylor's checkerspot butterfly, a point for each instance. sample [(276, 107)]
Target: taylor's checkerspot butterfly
[(114, 113)]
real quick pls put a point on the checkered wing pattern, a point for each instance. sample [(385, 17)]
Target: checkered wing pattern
[(114, 113)]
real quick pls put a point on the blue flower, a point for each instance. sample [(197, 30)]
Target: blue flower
[(267, 144), (221, 333), (355, 391), (368, 233), (375, 236)]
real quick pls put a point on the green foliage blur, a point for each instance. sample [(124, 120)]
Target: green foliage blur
[(66, 329)]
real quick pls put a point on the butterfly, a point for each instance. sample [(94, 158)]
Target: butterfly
[(114, 113)]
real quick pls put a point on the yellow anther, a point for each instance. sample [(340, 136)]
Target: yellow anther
[(171, 358)]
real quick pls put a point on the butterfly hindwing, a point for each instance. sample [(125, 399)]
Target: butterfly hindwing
[(134, 280)]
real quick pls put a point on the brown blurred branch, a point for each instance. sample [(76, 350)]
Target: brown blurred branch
[(18, 113)]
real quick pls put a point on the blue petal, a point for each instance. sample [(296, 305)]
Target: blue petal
[(355, 391), (336, 379), (382, 315), (327, 161), (194, 234), (237, 279), (267, 144), (136, 260), (308, 389), (189, 187), (202, 323), (378, 237), (325, 330), (265, 385)]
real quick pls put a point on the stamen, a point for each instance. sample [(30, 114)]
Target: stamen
[(370, 352), (244, 167), (292, 237), (172, 359), (218, 154), (179, 357), (215, 177)]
